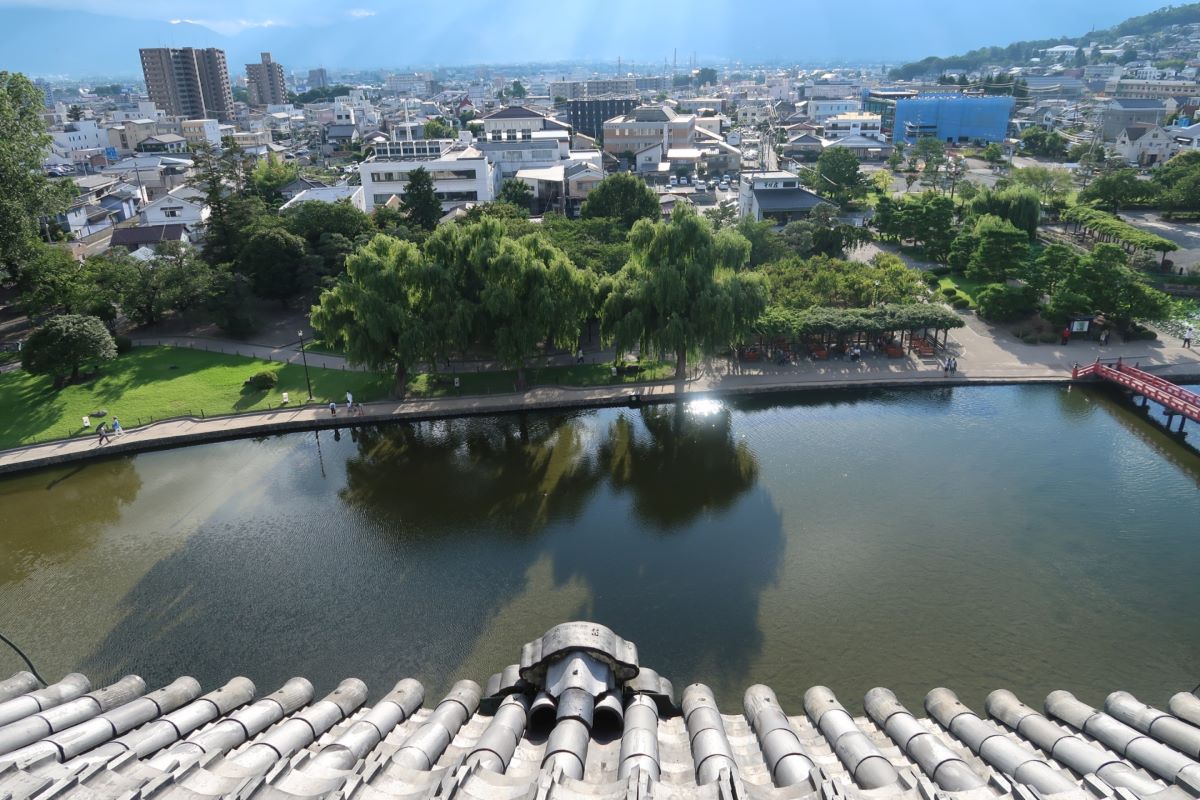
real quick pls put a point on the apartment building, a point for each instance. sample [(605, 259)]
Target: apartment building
[(200, 132), (856, 124), (460, 172), (1151, 89), (265, 83), (126, 137), (587, 115), (188, 82), (318, 78), (647, 126), (820, 110)]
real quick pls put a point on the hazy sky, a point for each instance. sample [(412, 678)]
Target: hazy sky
[(103, 36)]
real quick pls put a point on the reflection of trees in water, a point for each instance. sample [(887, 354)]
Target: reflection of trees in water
[(516, 473), (61, 511), (437, 530), (683, 466)]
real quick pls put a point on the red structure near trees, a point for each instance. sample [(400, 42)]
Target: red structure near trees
[(1175, 399)]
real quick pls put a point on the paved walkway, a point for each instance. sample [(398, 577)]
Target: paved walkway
[(983, 358)]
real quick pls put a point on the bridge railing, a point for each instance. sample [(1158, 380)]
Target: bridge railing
[(1146, 384)]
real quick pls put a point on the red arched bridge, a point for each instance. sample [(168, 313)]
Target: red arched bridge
[(1176, 400)]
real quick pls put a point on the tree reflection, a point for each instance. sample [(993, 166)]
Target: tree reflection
[(61, 511), (513, 473), (683, 464)]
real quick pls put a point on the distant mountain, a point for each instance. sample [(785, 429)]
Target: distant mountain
[(1020, 52)]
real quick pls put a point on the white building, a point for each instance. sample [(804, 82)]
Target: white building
[(354, 195), (200, 132), (821, 110), (183, 205), (460, 172), (1145, 144), (82, 135), (776, 195), (855, 124)]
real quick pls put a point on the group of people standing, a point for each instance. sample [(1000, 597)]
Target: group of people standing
[(949, 366)]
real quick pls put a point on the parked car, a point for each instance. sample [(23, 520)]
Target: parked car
[(724, 184), (674, 180)]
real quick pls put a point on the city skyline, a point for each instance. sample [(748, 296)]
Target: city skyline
[(354, 34)]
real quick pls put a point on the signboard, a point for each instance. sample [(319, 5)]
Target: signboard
[(1080, 325), (110, 153)]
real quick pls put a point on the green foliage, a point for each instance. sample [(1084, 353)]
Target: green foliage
[(1101, 282), (836, 322), (1115, 190), (992, 153), (26, 195), (926, 219), (517, 193), (61, 346), (224, 179), (1001, 252), (320, 94), (623, 196), (273, 258), (420, 202), (766, 244), (1039, 142), (438, 128), (374, 312), (269, 176), (1048, 183), (598, 244), (680, 290), (331, 230), (1019, 205), (1114, 228), (517, 89), (1177, 182), (796, 283), (836, 175), (124, 344), (262, 381), (706, 76), (1000, 302)]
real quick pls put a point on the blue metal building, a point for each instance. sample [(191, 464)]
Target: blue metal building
[(952, 118)]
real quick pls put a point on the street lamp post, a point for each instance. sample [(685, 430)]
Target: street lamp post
[(304, 358), (875, 297)]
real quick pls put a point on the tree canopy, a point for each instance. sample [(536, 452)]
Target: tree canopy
[(64, 344), (623, 196), (420, 202), (681, 290)]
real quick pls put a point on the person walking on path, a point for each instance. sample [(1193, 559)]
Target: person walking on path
[(349, 402), (1104, 334), (1066, 335), (117, 429), (101, 436), (332, 409), (1187, 337), (946, 368)]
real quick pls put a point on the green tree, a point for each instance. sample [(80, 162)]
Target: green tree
[(314, 219), (273, 258), (1115, 190), (269, 176), (623, 196), (1048, 183), (438, 128), (224, 179), (26, 195), (1000, 302), (517, 192), (1177, 182), (532, 293), (721, 215), (681, 290), (1001, 252), (932, 154), (420, 202), (706, 76), (992, 153), (766, 245), (517, 89), (74, 113), (50, 280), (61, 346), (1102, 282), (1040, 142), (374, 313), (836, 174)]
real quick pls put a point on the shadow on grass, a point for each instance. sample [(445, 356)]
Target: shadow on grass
[(32, 406), (249, 399)]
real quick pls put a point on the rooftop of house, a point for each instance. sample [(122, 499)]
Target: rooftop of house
[(578, 716), (1132, 104), (137, 236)]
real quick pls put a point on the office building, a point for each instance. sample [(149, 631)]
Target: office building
[(587, 116), (906, 116), (265, 82), (318, 78), (188, 82)]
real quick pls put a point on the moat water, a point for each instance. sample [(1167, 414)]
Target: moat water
[(1031, 538)]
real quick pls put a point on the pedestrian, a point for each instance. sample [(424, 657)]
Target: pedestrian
[(349, 402), (579, 356), (1187, 337), (117, 429), (953, 365), (946, 369), (101, 436), (332, 409), (1066, 334), (1104, 337), (358, 409)]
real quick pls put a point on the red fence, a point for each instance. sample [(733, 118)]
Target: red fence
[(1177, 399)]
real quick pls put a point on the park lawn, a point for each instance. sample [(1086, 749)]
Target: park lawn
[(151, 383), (966, 287)]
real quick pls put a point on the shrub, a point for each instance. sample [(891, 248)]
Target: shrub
[(1000, 302), (124, 344), (940, 271), (930, 279), (960, 303), (262, 381), (1030, 338), (1049, 338), (1139, 333), (950, 292), (99, 412)]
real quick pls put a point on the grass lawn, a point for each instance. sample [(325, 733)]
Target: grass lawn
[(157, 382), (966, 287)]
